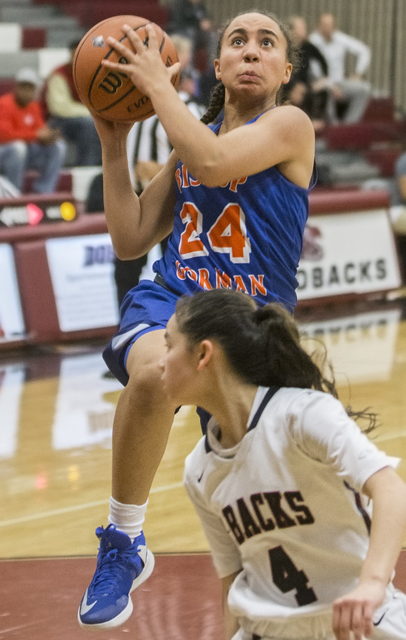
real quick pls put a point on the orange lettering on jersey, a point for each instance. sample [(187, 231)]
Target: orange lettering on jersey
[(185, 177), (257, 285), (234, 184), (240, 284), (204, 281), (223, 281), (178, 180), (192, 275), (180, 271), (193, 182)]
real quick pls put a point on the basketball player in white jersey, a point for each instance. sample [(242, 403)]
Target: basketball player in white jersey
[(305, 517)]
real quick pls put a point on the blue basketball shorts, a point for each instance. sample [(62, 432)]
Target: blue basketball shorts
[(147, 307)]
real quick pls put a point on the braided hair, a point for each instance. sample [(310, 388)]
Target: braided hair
[(217, 99)]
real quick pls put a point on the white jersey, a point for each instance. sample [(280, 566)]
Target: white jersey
[(284, 506)]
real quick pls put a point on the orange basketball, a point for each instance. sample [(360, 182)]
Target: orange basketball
[(110, 93)]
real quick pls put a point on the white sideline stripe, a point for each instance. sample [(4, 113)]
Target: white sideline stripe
[(78, 507)]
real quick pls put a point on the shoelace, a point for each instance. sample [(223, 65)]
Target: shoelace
[(109, 570)]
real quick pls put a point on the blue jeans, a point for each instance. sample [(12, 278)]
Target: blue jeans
[(16, 157), (82, 133)]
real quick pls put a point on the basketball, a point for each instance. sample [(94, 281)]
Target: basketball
[(112, 94)]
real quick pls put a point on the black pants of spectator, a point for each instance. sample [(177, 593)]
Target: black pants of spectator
[(315, 104), (127, 273)]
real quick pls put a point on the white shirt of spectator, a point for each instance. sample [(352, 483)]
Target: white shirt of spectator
[(335, 51)]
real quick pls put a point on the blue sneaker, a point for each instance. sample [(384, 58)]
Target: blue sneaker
[(121, 568)]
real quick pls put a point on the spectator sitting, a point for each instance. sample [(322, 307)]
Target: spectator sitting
[(26, 142), (335, 45), (65, 111), (303, 89)]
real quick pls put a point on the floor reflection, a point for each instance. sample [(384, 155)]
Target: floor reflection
[(56, 413)]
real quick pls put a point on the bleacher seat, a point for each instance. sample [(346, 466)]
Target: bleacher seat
[(90, 12), (385, 159), (33, 38), (353, 153), (10, 37), (362, 135), (64, 183), (50, 58), (75, 181), (379, 109)]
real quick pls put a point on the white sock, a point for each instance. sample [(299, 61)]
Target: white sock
[(127, 517)]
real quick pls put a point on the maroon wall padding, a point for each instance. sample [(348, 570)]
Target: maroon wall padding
[(341, 201), (37, 296), (85, 224), (35, 284)]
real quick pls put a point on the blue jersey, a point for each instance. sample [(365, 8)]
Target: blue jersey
[(245, 235)]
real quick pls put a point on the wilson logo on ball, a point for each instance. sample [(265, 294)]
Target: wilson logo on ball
[(112, 82)]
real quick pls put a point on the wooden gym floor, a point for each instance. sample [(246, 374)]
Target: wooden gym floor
[(56, 411)]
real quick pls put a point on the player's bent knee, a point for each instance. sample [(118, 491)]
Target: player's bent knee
[(145, 388)]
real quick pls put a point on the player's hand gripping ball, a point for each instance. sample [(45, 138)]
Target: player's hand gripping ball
[(112, 94)]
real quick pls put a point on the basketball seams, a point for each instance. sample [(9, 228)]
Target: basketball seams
[(86, 38), (133, 87), (102, 87)]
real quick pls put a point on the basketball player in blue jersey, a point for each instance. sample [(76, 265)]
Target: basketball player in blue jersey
[(283, 480), (235, 199)]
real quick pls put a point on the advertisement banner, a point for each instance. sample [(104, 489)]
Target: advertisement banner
[(11, 317), (348, 253), (81, 269)]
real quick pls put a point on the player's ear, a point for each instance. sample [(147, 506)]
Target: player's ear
[(217, 69), (288, 73), (205, 354)]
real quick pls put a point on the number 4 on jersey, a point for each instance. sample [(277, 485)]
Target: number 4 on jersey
[(287, 577), (227, 235)]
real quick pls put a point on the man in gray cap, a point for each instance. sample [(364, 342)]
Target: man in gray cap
[(26, 142)]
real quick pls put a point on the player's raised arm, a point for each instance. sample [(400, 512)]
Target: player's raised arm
[(135, 224)]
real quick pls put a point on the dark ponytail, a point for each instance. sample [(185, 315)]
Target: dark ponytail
[(283, 359), (262, 345)]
